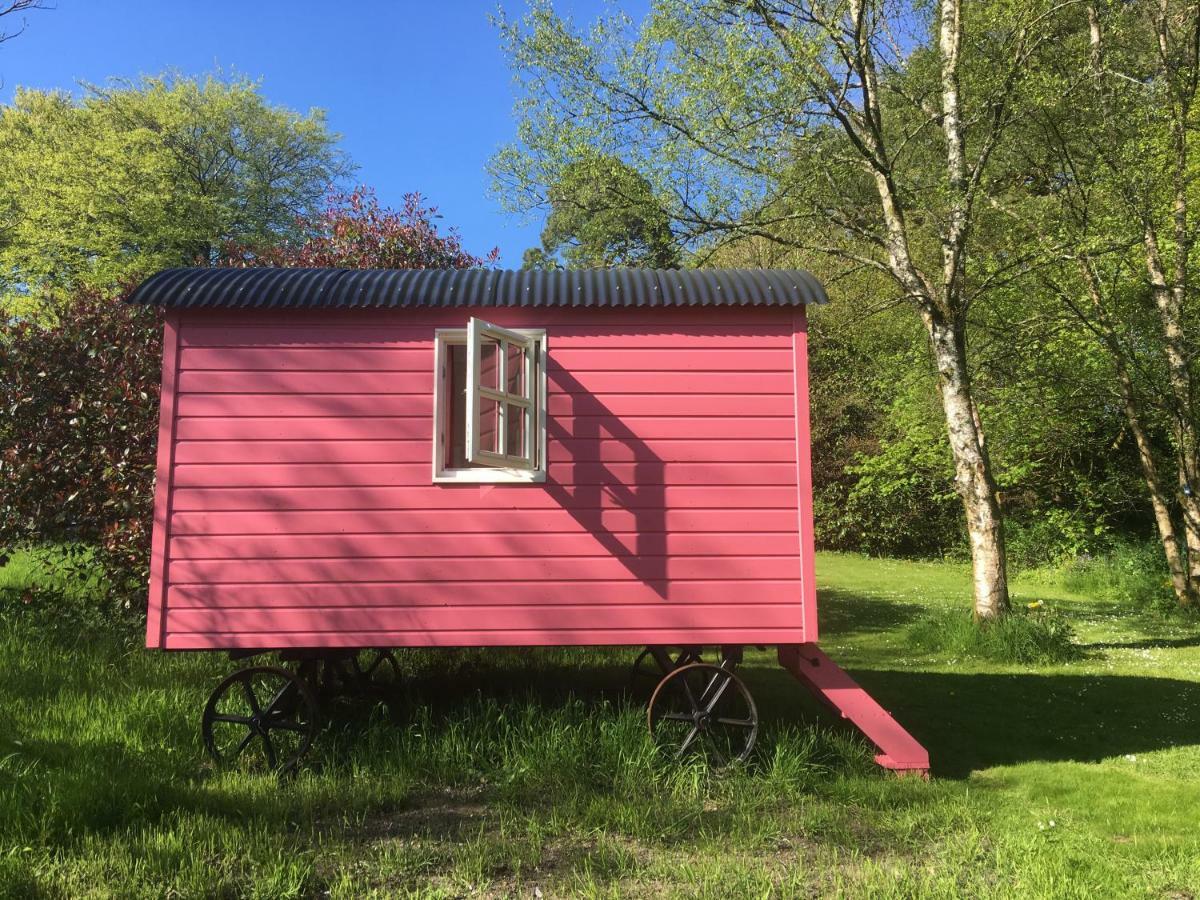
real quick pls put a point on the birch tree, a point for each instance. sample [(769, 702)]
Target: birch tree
[(861, 130), (1113, 174)]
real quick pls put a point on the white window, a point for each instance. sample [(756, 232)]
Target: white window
[(489, 404)]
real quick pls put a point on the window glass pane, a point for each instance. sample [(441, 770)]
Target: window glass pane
[(517, 429), (489, 364), (515, 373), (489, 425), (456, 407)]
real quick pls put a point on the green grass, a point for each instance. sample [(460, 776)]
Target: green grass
[(497, 773)]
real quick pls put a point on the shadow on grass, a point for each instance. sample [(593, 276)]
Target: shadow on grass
[(974, 721), (1148, 644), (846, 612)]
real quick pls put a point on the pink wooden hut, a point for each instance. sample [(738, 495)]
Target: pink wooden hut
[(379, 459)]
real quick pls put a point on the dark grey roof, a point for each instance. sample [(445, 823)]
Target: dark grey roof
[(384, 288)]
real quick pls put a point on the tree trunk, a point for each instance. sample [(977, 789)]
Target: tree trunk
[(1182, 582), (973, 475)]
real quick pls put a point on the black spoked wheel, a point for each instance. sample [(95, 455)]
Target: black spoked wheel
[(260, 717), (706, 710), (655, 662)]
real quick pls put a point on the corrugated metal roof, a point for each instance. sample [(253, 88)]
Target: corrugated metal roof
[(388, 288)]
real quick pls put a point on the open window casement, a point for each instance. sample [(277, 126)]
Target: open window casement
[(501, 390)]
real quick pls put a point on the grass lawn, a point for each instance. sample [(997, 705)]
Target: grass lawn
[(502, 773)]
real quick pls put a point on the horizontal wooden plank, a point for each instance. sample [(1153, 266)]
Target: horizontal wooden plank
[(576, 335), (323, 359), (610, 452), (484, 618), (662, 404), (485, 593), (333, 453), (413, 359), (349, 428), (507, 568), (631, 429), (362, 546), (674, 359), (618, 405), (310, 405), (418, 474), (560, 381), (542, 637), (647, 498), (443, 521)]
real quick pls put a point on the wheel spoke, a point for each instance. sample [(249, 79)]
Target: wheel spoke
[(688, 741), (718, 756), (272, 759), (245, 742), (233, 720), (273, 706), (691, 696), (248, 690), (285, 725), (675, 717), (720, 691), (737, 723)]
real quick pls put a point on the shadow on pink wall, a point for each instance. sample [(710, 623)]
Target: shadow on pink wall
[(596, 487)]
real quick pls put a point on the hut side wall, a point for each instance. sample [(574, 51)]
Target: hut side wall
[(295, 505)]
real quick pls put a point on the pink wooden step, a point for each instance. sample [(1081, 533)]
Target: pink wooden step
[(899, 750)]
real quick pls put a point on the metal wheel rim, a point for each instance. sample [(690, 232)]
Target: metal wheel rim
[(269, 728), (707, 708)]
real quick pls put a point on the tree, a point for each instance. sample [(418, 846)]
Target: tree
[(137, 176), (354, 232), (1110, 190), (603, 214), (849, 128)]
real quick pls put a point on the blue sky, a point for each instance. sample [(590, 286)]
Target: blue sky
[(419, 91)]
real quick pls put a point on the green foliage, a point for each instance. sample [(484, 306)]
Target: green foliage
[(64, 591), (1131, 573), (78, 433), (1033, 634), (139, 175), (603, 214)]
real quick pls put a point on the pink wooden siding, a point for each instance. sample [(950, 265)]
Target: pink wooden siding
[(295, 506)]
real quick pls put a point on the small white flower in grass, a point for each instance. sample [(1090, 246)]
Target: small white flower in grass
[(1129, 757)]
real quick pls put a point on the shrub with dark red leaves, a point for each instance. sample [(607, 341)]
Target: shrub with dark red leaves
[(78, 423), (79, 400), (355, 232)]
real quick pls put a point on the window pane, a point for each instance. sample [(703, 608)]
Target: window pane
[(456, 408), (517, 430), (516, 369), (489, 364), (489, 425)]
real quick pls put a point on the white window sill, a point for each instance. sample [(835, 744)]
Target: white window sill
[(489, 476)]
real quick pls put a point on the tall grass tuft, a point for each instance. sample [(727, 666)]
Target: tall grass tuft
[(1034, 634)]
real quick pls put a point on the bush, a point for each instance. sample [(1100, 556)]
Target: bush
[(1130, 572), (1032, 634), (62, 590), (79, 422)]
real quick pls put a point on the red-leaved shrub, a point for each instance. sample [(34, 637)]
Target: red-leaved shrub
[(79, 404)]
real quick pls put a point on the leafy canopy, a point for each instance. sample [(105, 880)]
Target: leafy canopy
[(135, 176)]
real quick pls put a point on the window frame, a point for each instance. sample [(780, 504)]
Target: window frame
[(484, 473)]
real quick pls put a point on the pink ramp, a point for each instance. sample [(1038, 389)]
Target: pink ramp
[(899, 750)]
